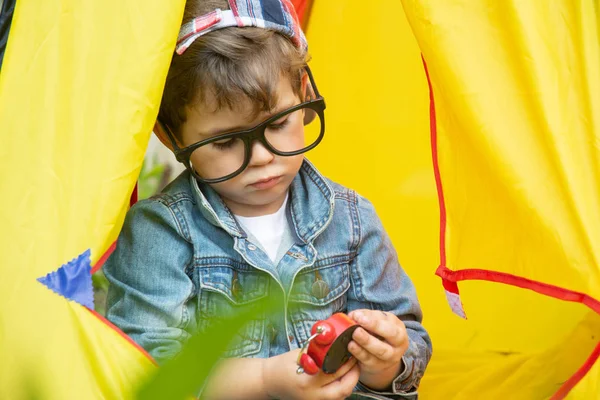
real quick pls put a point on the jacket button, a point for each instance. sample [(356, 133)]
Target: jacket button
[(251, 247), (320, 289)]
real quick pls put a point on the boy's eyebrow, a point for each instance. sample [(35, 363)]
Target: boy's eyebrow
[(244, 127)]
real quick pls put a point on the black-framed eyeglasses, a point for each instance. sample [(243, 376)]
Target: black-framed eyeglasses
[(226, 156)]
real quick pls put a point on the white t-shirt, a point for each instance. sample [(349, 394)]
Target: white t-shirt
[(267, 229)]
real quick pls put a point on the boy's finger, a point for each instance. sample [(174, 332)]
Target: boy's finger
[(375, 321), (386, 325), (379, 349), (327, 378), (342, 388), (360, 353), (351, 377)]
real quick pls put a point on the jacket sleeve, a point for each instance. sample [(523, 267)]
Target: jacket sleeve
[(380, 283), (149, 287)]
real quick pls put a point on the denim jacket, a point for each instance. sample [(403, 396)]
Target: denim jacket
[(182, 260)]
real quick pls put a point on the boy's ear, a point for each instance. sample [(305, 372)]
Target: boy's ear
[(162, 135), (308, 94)]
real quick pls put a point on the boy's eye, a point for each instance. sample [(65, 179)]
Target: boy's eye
[(225, 143), (279, 124)]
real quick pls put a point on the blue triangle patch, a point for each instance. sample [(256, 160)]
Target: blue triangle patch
[(73, 280)]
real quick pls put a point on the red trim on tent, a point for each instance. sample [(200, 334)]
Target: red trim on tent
[(132, 200), (134, 196), (120, 332), (578, 376), (104, 257), (518, 281), (450, 277), (448, 285)]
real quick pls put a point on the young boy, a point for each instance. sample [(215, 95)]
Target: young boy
[(251, 218)]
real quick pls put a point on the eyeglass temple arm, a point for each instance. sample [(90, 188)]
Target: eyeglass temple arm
[(170, 135), (312, 81)]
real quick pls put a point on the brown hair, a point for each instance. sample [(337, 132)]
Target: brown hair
[(231, 65)]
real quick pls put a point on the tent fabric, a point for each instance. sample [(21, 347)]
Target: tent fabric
[(77, 108), (73, 280), (515, 149), (515, 105), (515, 153)]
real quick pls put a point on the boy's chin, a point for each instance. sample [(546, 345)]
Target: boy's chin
[(261, 198), (255, 204)]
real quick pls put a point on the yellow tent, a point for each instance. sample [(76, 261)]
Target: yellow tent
[(76, 107), (512, 122), (513, 127)]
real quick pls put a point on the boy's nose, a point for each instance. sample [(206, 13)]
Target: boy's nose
[(260, 154)]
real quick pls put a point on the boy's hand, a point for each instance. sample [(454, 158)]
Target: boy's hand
[(380, 359), (281, 381)]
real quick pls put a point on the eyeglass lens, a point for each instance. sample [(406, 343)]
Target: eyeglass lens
[(292, 132)]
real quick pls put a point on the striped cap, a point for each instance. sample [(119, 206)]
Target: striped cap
[(278, 15)]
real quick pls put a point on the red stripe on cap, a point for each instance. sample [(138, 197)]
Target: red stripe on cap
[(202, 23), (291, 10), (236, 13)]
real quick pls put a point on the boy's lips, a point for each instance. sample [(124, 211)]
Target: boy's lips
[(266, 183)]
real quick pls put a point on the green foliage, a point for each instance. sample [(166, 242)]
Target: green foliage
[(151, 177), (100, 284), (185, 375)]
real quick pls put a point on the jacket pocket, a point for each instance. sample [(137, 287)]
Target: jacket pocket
[(225, 291), (319, 292)]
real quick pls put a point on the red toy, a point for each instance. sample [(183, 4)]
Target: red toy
[(327, 348)]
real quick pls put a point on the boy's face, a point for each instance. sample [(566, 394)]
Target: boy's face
[(261, 188)]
